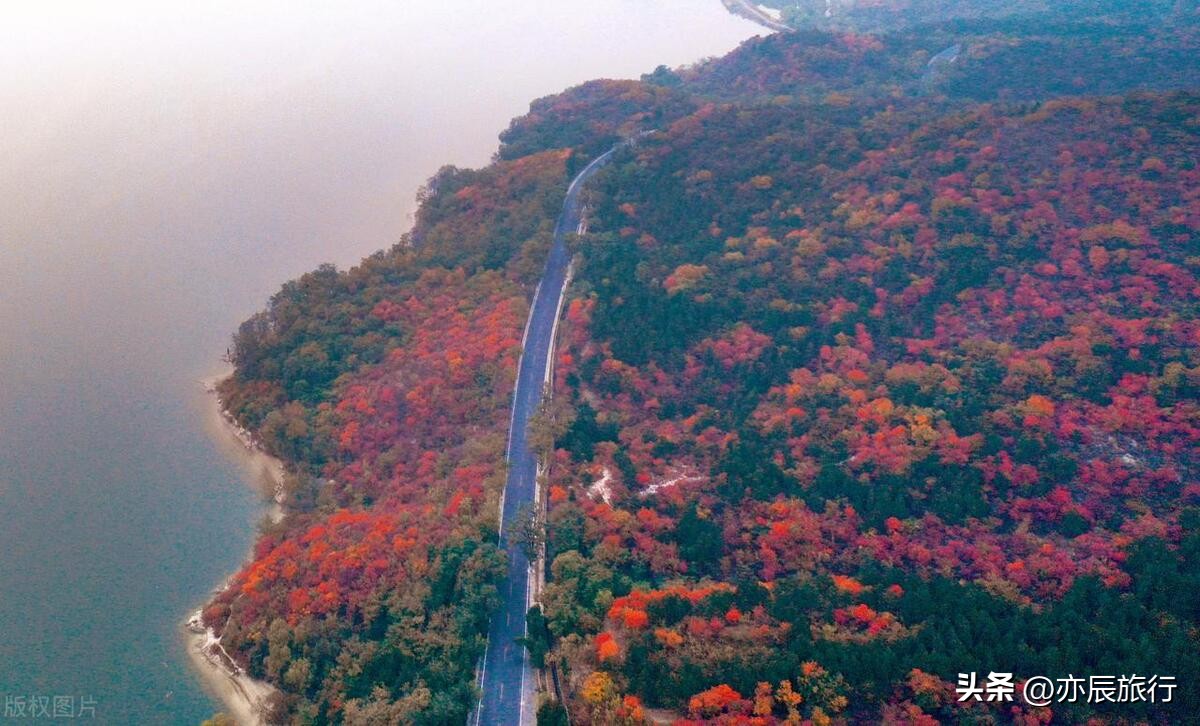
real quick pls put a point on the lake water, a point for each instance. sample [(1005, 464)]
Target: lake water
[(162, 171)]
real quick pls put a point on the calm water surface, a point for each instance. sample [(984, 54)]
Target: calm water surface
[(162, 171)]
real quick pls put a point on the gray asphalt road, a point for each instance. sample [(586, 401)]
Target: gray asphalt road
[(506, 677), (752, 12)]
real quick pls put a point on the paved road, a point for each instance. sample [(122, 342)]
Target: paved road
[(752, 12), (506, 677)]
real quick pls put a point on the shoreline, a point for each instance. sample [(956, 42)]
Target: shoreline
[(238, 445), (242, 697)]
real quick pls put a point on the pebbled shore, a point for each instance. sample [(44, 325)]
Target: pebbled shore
[(243, 697)]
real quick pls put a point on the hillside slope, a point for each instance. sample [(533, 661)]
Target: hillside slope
[(875, 372)]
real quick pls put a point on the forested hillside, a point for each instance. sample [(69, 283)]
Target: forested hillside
[(880, 365)]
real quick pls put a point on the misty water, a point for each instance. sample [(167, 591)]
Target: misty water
[(162, 172)]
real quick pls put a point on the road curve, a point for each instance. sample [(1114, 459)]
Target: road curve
[(506, 677), (751, 12)]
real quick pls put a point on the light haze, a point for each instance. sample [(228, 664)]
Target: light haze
[(163, 169)]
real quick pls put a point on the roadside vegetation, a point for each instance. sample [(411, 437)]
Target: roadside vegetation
[(867, 378)]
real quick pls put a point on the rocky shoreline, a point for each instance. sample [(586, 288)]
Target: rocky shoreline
[(244, 698)]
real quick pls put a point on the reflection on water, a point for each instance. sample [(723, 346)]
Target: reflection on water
[(161, 172)]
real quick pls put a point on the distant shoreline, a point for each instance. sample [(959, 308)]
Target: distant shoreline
[(241, 695)]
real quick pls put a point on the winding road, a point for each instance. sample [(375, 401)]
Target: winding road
[(753, 13), (506, 677)]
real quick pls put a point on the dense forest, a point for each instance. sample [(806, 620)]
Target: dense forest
[(880, 365)]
